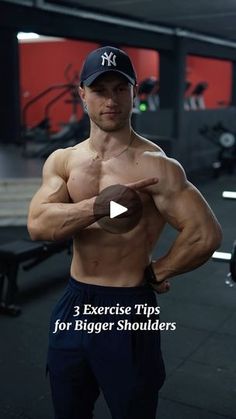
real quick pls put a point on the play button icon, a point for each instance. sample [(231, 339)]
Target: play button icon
[(122, 206), (116, 209)]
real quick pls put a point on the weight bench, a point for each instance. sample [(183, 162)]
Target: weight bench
[(11, 256)]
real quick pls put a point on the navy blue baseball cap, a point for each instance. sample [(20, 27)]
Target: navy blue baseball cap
[(107, 59)]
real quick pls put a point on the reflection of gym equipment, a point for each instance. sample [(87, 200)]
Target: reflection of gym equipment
[(231, 259), (147, 98), (228, 257), (188, 84), (38, 141), (11, 256), (195, 100), (225, 140)]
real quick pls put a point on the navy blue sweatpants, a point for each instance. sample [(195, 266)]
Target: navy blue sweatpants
[(126, 365)]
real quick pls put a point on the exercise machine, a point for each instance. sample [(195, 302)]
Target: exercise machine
[(195, 100), (40, 141), (147, 98), (224, 140), (28, 254)]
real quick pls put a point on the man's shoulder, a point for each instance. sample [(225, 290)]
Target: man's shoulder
[(153, 152), (157, 163), (64, 154), (58, 161), (145, 145)]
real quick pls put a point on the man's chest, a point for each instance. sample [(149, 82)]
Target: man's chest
[(88, 177)]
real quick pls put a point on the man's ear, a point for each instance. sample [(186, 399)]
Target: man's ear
[(82, 96), (135, 91), (82, 93)]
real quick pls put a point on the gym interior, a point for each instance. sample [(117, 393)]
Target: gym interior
[(185, 57)]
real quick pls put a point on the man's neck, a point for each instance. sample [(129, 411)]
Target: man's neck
[(110, 144)]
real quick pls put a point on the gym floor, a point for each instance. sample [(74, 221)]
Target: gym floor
[(199, 355)]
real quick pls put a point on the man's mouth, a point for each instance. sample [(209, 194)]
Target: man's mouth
[(111, 113)]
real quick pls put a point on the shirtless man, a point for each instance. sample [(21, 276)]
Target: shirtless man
[(113, 269)]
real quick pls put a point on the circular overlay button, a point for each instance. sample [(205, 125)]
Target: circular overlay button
[(123, 206)]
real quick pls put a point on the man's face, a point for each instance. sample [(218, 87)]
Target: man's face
[(109, 101)]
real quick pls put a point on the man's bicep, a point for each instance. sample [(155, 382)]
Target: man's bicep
[(53, 189), (184, 207)]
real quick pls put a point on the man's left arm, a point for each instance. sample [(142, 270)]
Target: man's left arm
[(183, 207)]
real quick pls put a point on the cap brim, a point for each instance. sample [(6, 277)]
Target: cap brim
[(94, 76)]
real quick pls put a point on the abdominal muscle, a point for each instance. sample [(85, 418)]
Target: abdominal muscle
[(108, 259)]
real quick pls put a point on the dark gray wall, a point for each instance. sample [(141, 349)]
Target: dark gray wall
[(190, 148), (195, 151)]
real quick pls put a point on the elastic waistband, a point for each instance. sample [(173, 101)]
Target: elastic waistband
[(83, 286)]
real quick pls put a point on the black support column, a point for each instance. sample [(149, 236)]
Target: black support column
[(172, 84), (9, 86)]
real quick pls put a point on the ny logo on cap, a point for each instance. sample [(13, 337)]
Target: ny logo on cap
[(110, 59)]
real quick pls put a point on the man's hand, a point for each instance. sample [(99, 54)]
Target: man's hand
[(131, 200), (159, 286), (140, 185), (123, 195), (164, 286)]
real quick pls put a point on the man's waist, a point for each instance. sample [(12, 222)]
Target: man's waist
[(106, 288)]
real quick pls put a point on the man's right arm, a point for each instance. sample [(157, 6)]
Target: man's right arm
[(52, 216)]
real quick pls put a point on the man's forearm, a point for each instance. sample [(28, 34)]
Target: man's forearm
[(184, 256), (59, 221)]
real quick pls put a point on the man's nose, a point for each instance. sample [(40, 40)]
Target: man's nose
[(111, 99)]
